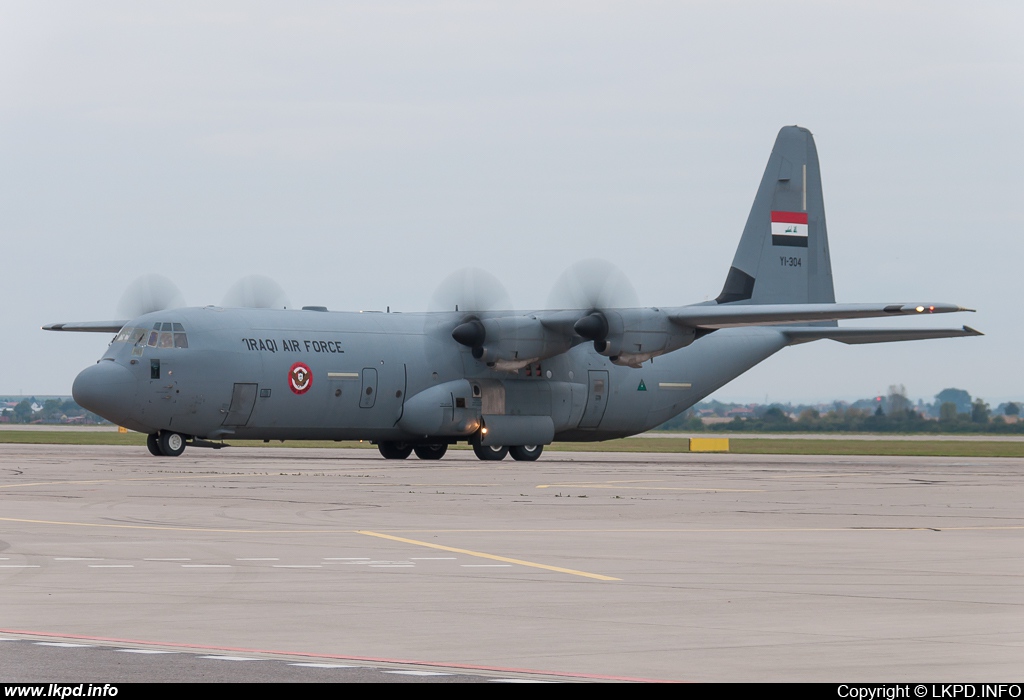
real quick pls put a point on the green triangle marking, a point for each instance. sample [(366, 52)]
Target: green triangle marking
[(642, 387)]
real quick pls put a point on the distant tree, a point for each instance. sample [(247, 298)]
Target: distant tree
[(809, 415), (899, 404), (1011, 409), (23, 411), (980, 412), (776, 416), (947, 412), (958, 397)]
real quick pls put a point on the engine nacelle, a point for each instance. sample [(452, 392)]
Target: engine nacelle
[(630, 337), (511, 342)]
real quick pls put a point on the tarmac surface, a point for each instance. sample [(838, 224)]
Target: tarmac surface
[(580, 566)]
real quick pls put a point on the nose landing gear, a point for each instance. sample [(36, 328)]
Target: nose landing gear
[(165, 444)]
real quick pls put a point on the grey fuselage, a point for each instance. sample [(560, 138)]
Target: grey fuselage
[(314, 375)]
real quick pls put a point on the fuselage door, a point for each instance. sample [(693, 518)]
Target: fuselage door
[(597, 399), (368, 395), (243, 398)]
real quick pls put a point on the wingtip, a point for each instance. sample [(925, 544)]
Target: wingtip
[(972, 331)]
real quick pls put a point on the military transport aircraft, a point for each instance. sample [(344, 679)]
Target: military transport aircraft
[(506, 382)]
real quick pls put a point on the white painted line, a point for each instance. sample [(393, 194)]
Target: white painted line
[(675, 385), (432, 558), (419, 673), (346, 558), (206, 566), (297, 566), (258, 559), (343, 375), (9, 639), (392, 566), (145, 651), (78, 558), (19, 566), (111, 566), (5, 558), (169, 559), (324, 666), (486, 566), (516, 680), (60, 644), (230, 658)]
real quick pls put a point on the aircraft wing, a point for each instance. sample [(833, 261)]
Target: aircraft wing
[(862, 336), (726, 316), (87, 326)]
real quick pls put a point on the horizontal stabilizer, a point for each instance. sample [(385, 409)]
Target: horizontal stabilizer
[(87, 326), (727, 316), (862, 336)]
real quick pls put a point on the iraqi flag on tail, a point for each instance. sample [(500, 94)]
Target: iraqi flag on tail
[(789, 228)]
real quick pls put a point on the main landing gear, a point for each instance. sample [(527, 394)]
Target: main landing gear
[(165, 444), (520, 453), (489, 453), (401, 450)]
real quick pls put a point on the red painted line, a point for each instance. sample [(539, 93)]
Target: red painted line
[(337, 657), (789, 217)]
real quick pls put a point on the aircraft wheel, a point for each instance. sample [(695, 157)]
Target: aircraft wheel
[(526, 453), (394, 450), (430, 451), (171, 444), (153, 443), (490, 452)]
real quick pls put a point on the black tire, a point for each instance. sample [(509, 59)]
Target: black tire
[(490, 453), (526, 453), (430, 451), (171, 444), (153, 443), (394, 450)]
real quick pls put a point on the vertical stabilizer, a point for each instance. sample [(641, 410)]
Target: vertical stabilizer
[(783, 254)]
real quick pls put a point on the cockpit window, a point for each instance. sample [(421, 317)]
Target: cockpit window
[(163, 335)]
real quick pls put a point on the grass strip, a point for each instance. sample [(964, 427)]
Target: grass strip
[(892, 448)]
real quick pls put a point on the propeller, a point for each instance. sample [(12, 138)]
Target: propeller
[(256, 292), (470, 289), (592, 284), (147, 294)]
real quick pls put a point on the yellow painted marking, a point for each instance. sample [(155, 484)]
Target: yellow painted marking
[(328, 531), (494, 557), (166, 477), (617, 485), (675, 385), (815, 476), (709, 444), (343, 375), (177, 528)]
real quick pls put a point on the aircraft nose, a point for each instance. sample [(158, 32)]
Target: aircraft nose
[(107, 389)]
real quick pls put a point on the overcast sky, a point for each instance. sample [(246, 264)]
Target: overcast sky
[(358, 153)]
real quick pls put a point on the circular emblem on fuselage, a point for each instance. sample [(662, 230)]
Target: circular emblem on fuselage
[(300, 378)]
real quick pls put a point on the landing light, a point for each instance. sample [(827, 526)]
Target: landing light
[(921, 309)]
